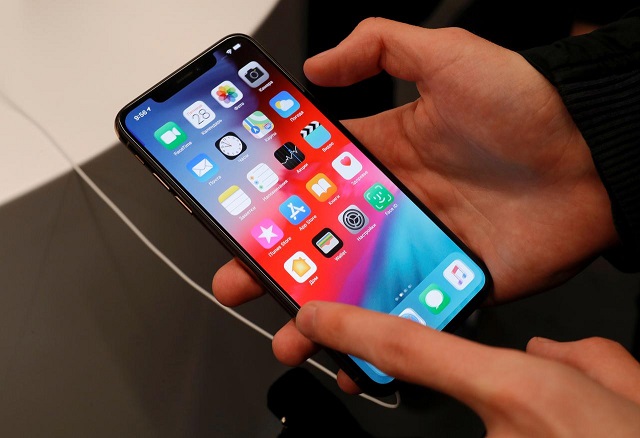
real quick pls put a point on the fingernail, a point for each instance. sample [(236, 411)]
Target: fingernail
[(306, 318)]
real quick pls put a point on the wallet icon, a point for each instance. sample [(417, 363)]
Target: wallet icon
[(203, 167), (315, 134)]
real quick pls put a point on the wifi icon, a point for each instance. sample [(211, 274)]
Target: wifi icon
[(289, 155)]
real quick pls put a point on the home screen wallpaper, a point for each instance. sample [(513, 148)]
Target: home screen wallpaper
[(300, 197)]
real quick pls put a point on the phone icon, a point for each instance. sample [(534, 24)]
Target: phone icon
[(315, 134), (321, 187), (295, 209), (327, 242), (258, 124), (378, 196), (289, 155), (353, 219), (199, 114), (262, 177), (346, 165), (253, 74), (284, 104), (234, 200), (458, 274), (203, 167), (300, 267), (170, 135), (434, 299), (267, 233), (227, 94)]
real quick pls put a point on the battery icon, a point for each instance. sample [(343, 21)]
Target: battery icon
[(237, 46)]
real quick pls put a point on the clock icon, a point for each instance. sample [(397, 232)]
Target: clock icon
[(230, 145)]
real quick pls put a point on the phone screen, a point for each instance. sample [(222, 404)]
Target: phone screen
[(290, 187)]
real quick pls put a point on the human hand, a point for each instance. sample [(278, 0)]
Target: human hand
[(488, 146), (585, 388)]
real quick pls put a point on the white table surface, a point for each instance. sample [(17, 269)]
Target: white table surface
[(69, 66)]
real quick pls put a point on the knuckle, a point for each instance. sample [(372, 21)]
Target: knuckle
[(598, 343)]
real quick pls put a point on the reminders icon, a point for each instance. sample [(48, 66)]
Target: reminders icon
[(234, 200), (262, 177)]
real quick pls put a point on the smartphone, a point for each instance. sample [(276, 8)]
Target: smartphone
[(288, 190)]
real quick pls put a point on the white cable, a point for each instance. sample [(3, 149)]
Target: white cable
[(160, 254)]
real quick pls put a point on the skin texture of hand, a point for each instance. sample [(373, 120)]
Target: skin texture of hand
[(491, 150), (588, 388)]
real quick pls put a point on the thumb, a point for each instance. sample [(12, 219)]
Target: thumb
[(405, 51), (605, 361)]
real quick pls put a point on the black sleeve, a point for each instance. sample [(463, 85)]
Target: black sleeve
[(598, 78)]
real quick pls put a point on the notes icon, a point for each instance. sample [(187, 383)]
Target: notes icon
[(234, 200)]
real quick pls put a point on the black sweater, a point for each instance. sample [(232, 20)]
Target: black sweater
[(598, 78)]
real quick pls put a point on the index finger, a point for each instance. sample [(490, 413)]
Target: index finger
[(232, 284)]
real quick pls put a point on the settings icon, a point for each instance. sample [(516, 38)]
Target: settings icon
[(353, 219)]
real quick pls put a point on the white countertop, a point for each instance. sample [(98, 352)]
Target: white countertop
[(69, 66)]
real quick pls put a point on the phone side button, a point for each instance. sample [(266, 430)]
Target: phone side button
[(139, 159), (161, 182), (184, 205)]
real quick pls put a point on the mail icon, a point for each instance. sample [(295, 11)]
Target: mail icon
[(203, 167)]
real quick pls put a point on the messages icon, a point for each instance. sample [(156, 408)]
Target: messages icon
[(434, 299)]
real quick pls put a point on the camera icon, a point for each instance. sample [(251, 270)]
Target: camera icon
[(253, 74)]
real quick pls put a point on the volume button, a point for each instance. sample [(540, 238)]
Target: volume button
[(161, 182), (183, 204), (139, 159)]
